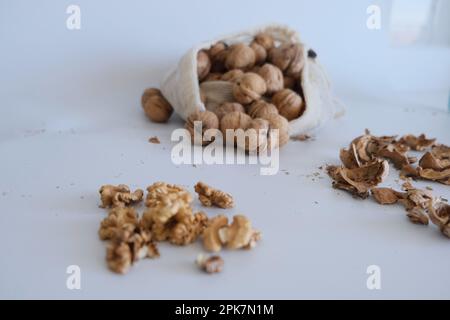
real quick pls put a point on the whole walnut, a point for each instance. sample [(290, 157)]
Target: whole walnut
[(260, 53), (248, 88), (265, 40), (203, 65), (218, 54), (261, 109), (289, 58), (273, 77), (233, 121), (208, 119), (240, 56), (290, 82), (155, 106), (232, 75), (279, 123), (255, 136), (290, 105), (228, 107)]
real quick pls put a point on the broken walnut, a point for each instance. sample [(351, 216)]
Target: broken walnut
[(212, 264), (209, 196), (119, 196)]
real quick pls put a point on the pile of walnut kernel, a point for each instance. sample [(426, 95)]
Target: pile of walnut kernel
[(265, 80), (169, 217), (365, 165)]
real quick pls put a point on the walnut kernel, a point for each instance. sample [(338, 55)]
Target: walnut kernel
[(209, 196)]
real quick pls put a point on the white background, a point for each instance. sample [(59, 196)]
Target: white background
[(70, 121)]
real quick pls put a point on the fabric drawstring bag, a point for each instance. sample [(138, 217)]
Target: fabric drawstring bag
[(182, 89)]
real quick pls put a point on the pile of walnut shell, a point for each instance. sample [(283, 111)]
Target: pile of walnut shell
[(169, 217), (365, 166), (266, 88)]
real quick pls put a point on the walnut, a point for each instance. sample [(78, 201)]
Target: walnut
[(290, 82), (240, 56), (419, 143), (203, 64), (277, 122), (213, 264), (439, 214), (209, 196), (118, 220), (232, 75), (290, 105), (359, 181), (119, 257), (126, 250), (260, 53), (234, 120), (239, 234), (170, 216), (208, 121), (156, 107), (273, 77), (256, 136), (211, 240), (228, 107), (261, 109), (161, 192), (141, 245), (265, 40), (289, 58), (218, 54), (213, 77), (184, 228), (248, 88), (166, 200), (119, 196)]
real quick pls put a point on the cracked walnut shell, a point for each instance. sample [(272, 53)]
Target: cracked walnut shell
[(119, 196), (155, 106), (248, 88), (209, 196), (290, 105), (358, 181)]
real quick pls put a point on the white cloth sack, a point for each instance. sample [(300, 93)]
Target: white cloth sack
[(181, 86)]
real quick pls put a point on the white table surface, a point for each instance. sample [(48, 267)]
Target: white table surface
[(70, 121)]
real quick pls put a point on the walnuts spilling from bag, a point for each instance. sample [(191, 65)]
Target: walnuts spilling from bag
[(169, 217), (264, 77)]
